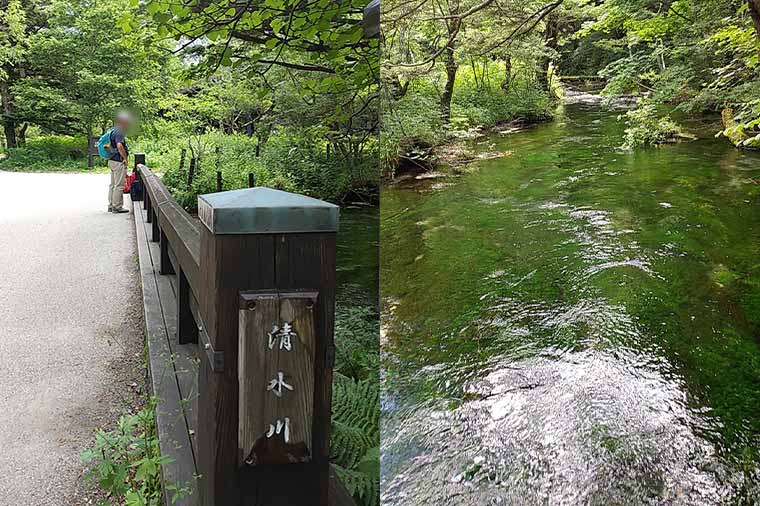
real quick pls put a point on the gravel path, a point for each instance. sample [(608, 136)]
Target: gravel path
[(70, 330)]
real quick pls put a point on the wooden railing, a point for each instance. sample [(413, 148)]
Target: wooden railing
[(255, 289)]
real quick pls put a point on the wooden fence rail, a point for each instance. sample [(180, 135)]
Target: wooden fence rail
[(254, 284)]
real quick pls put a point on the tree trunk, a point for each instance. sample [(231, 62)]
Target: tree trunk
[(754, 12), (550, 43), (9, 124), (448, 90), (22, 134), (451, 69), (507, 72), (661, 56), (249, 125)]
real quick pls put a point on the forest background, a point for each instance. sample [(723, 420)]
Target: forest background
[(454, 68)]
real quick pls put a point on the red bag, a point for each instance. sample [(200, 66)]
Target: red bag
[(128, 182)]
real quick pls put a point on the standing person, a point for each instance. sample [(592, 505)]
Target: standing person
[(118, 162)]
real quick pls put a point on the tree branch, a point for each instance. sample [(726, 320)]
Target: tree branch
[(298, 66)]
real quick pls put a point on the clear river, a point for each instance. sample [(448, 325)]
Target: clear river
[(574, 324)]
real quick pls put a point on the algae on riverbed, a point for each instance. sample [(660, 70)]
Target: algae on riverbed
[(580, 319)]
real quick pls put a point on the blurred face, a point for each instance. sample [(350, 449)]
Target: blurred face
[(123, 123)]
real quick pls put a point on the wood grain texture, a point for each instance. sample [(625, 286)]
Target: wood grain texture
[(252, 370), (309, 260), (171, 423), (259, 364), (229, 264)]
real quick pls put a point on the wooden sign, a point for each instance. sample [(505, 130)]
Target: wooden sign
[(92, 147), (276, 377)]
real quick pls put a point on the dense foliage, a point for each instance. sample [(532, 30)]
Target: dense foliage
[(699, 57), (49, 153), (455, 65), (280, 90)]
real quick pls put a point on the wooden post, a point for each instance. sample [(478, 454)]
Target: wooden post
[(267, 259), (155, 229), (92, 151), (187, 328), (218, 180), (139, 160), (251, 180), (249, 125), (165, 267), (190, 174)]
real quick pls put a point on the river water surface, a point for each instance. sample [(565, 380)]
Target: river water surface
[(573, 324)]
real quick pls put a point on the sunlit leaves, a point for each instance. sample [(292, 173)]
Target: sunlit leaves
[(324, 37)]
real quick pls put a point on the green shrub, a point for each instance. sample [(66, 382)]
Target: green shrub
[(50, 153), (645, 127), (489, 104), (743, 129), (291, 160), (126, 461), (415, 121)]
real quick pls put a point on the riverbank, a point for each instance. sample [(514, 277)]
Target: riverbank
[(455, 153), (452, 152), (420, 133)]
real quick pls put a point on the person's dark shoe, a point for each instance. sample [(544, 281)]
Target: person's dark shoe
[(110, 209), (120, 210)]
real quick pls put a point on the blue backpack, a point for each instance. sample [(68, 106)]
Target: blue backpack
[(104, 144)]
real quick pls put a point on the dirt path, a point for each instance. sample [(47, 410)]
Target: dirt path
[(70, 330)]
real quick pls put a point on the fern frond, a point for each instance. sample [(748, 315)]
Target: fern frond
[(355, 442)]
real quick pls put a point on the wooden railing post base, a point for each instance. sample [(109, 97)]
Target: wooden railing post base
[(165, 266), (264, 240), (187, 327)]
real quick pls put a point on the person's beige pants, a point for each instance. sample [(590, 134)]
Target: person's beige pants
[(115, 195)]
